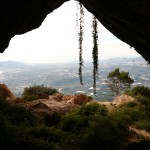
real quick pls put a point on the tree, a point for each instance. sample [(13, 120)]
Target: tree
[(118, 81)]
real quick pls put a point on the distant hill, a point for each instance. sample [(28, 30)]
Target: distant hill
[(12, 64)]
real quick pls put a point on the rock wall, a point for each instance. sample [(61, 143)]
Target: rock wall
[(126, 19)]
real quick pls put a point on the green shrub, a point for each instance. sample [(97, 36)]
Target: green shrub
[(130, 105), (52, 120), (34, 92), (51, 134), (72, 121), (92, 109), (30, 98), (141, 94), (78, 119), (101, 133), (127, 115), (91, 127), (139, 90), (121, 117), (30, 143), (143, 125), (16, 114), (143, 100)]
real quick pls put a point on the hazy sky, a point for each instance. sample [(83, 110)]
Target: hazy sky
[(56, 40)]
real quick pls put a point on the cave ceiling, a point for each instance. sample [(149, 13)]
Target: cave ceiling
[(128, 20)]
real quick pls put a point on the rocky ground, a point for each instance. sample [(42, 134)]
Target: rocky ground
[(59, 104)]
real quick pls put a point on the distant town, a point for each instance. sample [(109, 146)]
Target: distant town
[(64, 77)]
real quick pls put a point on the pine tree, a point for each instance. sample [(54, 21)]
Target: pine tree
[(118, 81)]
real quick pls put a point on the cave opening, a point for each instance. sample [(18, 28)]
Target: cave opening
[(56, 42)]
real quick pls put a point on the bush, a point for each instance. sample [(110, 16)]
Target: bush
[(102, 133), (126, 115), (30, 98), (52, 120), (139, 90), (141, 94), (143, 100), (16, 114), (37, 91), (87, 127), (143, 125), (130, 104), (51, 134), (91, 127), (30, 143), (78, 119), (93, 108)]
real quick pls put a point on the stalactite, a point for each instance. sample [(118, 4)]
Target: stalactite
[(95, 50)]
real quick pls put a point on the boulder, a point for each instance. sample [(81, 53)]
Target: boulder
[(44, 108), (122, 99), (80, 99), (5, 93), (56, 97), (68, 98), (77, 99), (59, 95)]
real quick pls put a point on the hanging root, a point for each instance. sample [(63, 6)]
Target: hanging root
[(80, 34), (95, 51), (80, 26)]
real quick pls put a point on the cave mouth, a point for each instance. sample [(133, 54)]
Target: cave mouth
[(41, 45), (127, 20)]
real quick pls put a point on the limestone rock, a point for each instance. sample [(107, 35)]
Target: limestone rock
[(56, 97), (119, 100), (5, 93), (78, 99), (59, 95), (68, 98), (42, 108)]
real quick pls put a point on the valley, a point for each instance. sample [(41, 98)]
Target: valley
[(64, 77)]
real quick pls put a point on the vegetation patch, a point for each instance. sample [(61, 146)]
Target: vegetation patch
[(37, 92), (88, 127)]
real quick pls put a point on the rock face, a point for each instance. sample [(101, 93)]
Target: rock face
[(126, 19), (122, 99), (5, 93), (77, 99), (44, 109), (56, 105)]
